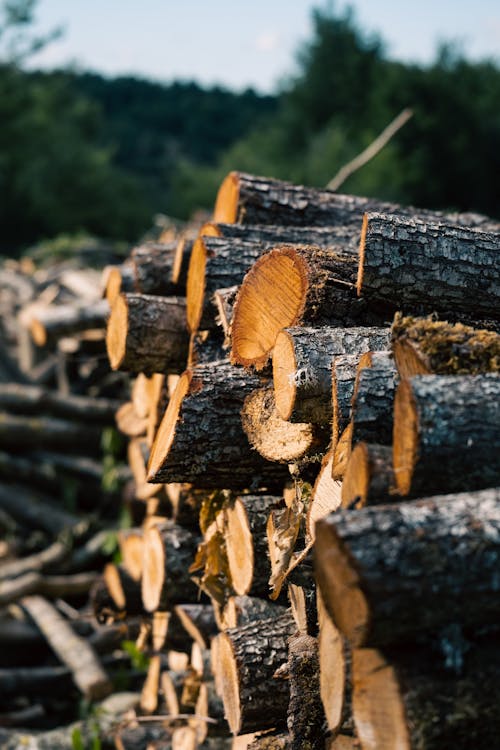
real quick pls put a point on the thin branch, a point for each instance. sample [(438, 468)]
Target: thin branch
[(372, 150)]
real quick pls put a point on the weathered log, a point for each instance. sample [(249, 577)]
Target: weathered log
[(152, 264), (124, 590), (292, 286), (199, 622), (423, 346), (436, 562), (334, 673), (415, 265), (326, 495), (248, 657), (204, 347), (73, 651), (147, 334), (276, 439), (30, 399), (373, 399), (48, 432), (342, 453), (369, 476), (36, 510), (446, 433), (138, 456), (200, 438), (242, 610), (128, 422), (302, 367), (131, 543), (169, 551), (246, 546), (224, 300), (181, 262), (39, 561), (411, 699), (305, 717), (322, 236), (61, 320), (117, 280)]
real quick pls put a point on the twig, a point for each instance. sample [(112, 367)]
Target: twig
[(372, 150)]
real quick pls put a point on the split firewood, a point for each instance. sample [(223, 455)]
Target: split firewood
[(423, 346), (325, 497), (185, 502), (210, 705), (344, 370), (303, 606), (445, 268), (152, 264), (369, 476), (435, 563), (149, 694), (26, 399), (147, 334), (292, 286), (169, 551), (285, 532), (57, 321), (302, 367), (446, 433), (247, 659), (373, 399), (162, 387), (73, 650), (305, 716), (200, 438), (409, 698), (275, 438)]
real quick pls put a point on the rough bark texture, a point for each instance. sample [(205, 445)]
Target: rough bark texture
[(344, 370), (389, 572), (199, 622), (306, 717), (373, 400), (152, 264), (147, 334), (415, 698), (423, 266), (302, 367), (446, 436), (208, 445), (206, 346), (422, 346), (369, 477), (248, 657), (322, 236)]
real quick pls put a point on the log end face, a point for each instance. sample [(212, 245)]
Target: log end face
[(284, 374), (331, 673), (405, 438), (116, 332), (153, 573), (195, 289), (271, 297), (38, 332), (113, 285), (226, 203), (325, 496), (356, 478), (166, 431), (239, 547), (114, 585), (227, 678)]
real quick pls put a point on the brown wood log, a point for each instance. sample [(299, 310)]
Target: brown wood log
[(162, 386), (344, 370), (149, 693), (322, 236), (138, 457), (248, 657), (446, 433), (242, 610), (118, 280), (423, 346), (342, 453), (128, 422), (423, 266), (181, 262), (57, 321), (199, 622), (169, 551), (29, 399), (369, 476), (245, 523), (131, 544), (37, 511), (276, 439), (302, 367), (326, 495), (305, 716), (200, 438), (39, 561), (409, 698), (48, 433), (334, 656), (204, 347), (224, 300), (373, 399), (123, 589), (434, 563), (285, 535), (152, 264), (73, 651), (292, 286), (273, 741), (147, 334)]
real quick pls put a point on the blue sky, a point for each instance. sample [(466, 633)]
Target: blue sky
[(251, 43)]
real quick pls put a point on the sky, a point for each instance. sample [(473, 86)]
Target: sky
[(242, 44)]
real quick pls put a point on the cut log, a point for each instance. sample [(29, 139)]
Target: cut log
[(128, 422), (48, 433), (37, 511), (373, 399), (147, 334), (421, 266), (304, 609), (118, 280), (199, 622), (322, 236), (205, 347), (149, 694), (73, 650), (423, 346), (169, 551), (446, 433), (435, 563), (138, 456), (123, 589), (57, 321), (245, 523), (248, 657), (273, 741), (326, 495), (152, 264), (30, 399), (409, 699), (224, 300), (305, 717), (39, 561), (242, 610), (344, 370), (302, 367), (342, 453), (369, 476), (131, 543), (200, 438), (276, 439), (334, 673), (291, 286), (181, 262)]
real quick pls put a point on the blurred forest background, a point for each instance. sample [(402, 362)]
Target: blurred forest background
[(85, 154)]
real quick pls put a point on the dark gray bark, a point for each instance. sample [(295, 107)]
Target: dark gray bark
[(306, 718), (373, 400), (344, 370), (153, 264)]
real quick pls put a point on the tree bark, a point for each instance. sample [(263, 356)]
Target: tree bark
[(248, 657), (305, 717), (423, 346), (302, 367), (325, 496), (369, 477), (243, 610), (344, 369), (199, 622), (373, 399), (418, 266), (435, 563), (57, 321), (152, 264), (446, 433), (200, 438), (147, 334), (31, 399), (292, 286)]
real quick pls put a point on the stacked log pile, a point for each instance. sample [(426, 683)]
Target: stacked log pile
[(316, 561)]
